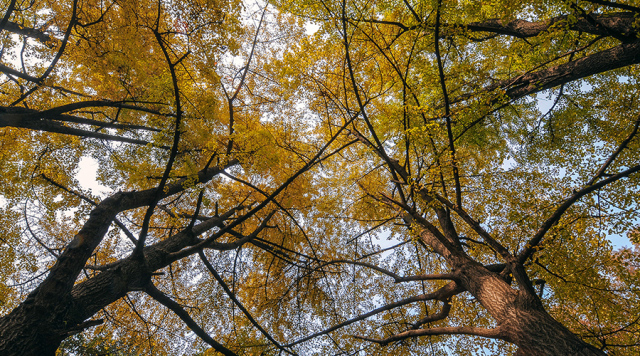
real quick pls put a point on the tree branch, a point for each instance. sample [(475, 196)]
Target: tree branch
[(447, 114), (615, 154), (397, 278), (456, 330), (531, 246), (443, 314), (235, 300), (621, 22), (163, 299), (449, 290), (7, 15), (137, 252), (29, 32), (64, 273)]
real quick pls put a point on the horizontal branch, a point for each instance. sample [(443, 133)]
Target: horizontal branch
[(29, 32), (620, 22), (449, 290), (456, 330), (52, 121), (615, 5), (16, 73), (397, 278)]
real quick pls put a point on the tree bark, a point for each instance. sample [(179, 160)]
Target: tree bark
[(59, 307), (520, 317)]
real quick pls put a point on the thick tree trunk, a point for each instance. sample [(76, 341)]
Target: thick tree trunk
[(40, 323), (33, 329), (60, 307), (521, 318)]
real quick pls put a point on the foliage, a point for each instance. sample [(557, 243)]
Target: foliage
[(384, 184)]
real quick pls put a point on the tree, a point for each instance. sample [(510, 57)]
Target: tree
[(252, 167)]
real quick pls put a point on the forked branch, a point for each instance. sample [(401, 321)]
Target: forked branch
[(449, 290), (443, 314)]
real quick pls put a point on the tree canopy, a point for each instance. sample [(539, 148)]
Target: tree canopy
[(420, 177)]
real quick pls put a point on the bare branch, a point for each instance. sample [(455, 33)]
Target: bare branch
[(449, 290), (234, 245), (235, 300), (163, 299), (531, 246), (456, 330), (397, 278), (613, 156)]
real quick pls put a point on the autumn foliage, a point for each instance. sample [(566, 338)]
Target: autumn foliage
[(319, 177)]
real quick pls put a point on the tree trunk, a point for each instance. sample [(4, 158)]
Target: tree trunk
[(521, 318), (32, 329)]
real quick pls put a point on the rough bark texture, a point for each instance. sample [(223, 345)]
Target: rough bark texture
[(60, 307), (520, 317)]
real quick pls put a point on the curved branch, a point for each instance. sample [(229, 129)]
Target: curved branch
[(443, 314), (55, 60), (163, 299), (235, 300), (531, 246), (174, 147), (245, 70), (397, 278), (449, 290), (455, 330)]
